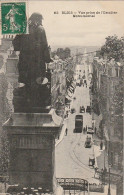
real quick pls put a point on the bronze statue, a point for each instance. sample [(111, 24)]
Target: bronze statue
[(34, 54), (34, 51)]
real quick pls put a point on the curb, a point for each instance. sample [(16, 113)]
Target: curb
[(96, 165)]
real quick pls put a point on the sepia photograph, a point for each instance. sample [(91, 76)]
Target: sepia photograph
[(61, 97)]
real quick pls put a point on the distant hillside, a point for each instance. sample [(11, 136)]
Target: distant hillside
[(78, 49)]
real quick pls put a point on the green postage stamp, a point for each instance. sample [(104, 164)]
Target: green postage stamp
[(13, 18)]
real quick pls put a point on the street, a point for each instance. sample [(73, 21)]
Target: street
[(72, 158)]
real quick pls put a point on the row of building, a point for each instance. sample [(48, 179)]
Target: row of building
[(61, 72), (107, 90)]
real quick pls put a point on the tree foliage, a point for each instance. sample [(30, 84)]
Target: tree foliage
[(4, 115), (118, 98), (62, 53), (113, 48)]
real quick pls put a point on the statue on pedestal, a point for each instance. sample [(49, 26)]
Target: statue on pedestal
[(34, 54)]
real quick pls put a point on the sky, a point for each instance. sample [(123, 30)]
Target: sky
[(65, 30)]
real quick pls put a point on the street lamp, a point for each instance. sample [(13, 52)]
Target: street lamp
[(109, 192)]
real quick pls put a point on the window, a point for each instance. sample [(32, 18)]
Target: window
[(120, 73), (116, 72), (110, 72), (116, 160)]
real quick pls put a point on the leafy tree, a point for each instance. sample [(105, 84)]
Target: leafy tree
[(4, 115), (113, 48), (118, 98)]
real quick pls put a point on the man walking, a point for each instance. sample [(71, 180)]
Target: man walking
[(66, 131), (101, 145), (95, 130)]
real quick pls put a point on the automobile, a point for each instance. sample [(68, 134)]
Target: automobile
[(81, 82), (88, 142), (82, 109), (88, 109), (90, 130), (92, 160), (85, 81), (72, 110), (78, 82)]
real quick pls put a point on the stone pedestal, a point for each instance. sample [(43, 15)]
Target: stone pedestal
[(32, 149)]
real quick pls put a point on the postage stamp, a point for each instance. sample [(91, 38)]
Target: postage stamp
[(13, 17)]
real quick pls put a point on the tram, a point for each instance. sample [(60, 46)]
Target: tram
[(78, 124)]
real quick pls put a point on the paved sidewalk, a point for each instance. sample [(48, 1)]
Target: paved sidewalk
[(97, 119), (65, 124)]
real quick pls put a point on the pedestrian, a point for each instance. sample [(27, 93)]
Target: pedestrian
[(105, 170), (96, 169), (67, 114), (93, 162), (95, 130), (86, 128), (101, 145), (102, 174), (66, 131)]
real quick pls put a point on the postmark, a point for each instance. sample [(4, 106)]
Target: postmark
[(13, 17)]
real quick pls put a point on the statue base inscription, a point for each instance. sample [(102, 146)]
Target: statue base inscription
[(32, 149)]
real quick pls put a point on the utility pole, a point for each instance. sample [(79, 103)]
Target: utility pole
[(88, 189), (104, 166), (109, 191)]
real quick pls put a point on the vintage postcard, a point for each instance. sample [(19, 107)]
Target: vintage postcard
[(61, 97)]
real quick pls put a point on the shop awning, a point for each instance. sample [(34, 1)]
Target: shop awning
[(67, 99), (73, 86)]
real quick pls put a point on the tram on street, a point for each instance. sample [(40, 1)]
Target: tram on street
[(78, 124)]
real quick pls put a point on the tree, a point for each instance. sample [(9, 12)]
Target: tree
[(118, 98), (4, 115), (113, 48)]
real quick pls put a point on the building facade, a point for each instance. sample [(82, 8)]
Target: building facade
[(108, 101)]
